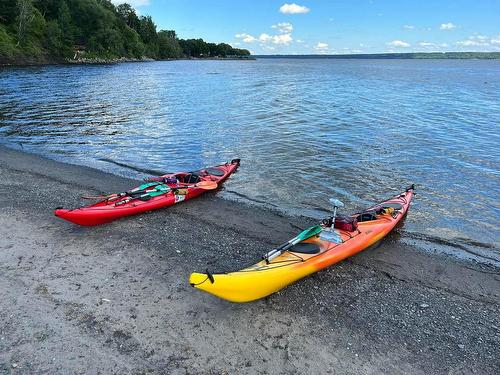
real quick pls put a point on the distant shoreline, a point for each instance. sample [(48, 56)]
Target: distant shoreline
[(409, 56), (376, 56)]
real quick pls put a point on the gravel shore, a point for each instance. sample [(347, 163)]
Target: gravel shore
[(116, 298)]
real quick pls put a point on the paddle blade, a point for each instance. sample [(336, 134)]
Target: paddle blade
[(207, 185), (308, 233)]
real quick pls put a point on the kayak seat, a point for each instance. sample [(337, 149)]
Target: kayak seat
[(366, 216), (305, 248)]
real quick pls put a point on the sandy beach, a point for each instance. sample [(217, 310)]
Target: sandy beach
[(116, 298)]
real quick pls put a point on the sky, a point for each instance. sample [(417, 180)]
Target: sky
[(332, 26)]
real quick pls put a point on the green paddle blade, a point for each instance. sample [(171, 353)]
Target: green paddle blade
[(308, 233), (144, 186)]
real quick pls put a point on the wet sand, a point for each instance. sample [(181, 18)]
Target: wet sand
[(116, 298)]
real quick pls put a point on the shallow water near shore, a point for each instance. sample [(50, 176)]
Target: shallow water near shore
[(358, 130)]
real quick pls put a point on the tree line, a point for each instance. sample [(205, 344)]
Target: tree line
[(65, 29)]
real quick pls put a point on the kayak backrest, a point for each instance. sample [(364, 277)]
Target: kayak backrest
[(189, 178)]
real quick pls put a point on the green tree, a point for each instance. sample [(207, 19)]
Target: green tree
[(48, 8), (168, 45), (128, 15), (147, 32), (66, 28), (24, 12), (8, 11), (7, 44), (32, 28), (54, 38), (223, 49), (132, 43)]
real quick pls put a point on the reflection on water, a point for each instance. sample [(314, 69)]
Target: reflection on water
[(305, 130)]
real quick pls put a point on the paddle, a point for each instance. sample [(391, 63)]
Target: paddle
[(205, 185), (304, 235)]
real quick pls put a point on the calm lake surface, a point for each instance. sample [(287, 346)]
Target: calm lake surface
[(306, 130)]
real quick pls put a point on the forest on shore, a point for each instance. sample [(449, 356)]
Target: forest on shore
[(63, 30)]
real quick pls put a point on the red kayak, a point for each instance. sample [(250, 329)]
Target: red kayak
[(160, 192)]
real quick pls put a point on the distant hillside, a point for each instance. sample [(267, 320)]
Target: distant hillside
[(417, 55), (37, 31)]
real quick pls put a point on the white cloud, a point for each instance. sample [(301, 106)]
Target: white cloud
[(264, 38), (283, 27), (276, 39), (468, 43), (447, 26), (495, 40), (408, 27), (246, 37), (432, 45), (398, 43), (282, 39), (301, 41), (321, 46), (293, 9), (477, 40), (133, 3)]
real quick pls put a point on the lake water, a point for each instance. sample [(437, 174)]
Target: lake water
[(305, 129)]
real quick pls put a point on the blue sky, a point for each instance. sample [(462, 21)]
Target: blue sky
[(332, 27)]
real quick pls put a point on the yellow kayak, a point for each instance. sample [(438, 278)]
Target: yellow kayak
[(305, 258)]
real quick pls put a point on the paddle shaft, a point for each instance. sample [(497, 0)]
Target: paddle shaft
[(277, 252), (206, 185), (287, 245), (146, 193)]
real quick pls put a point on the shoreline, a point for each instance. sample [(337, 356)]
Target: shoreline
[(459, 249), (104, 61), (28, 61), (117, 298)]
